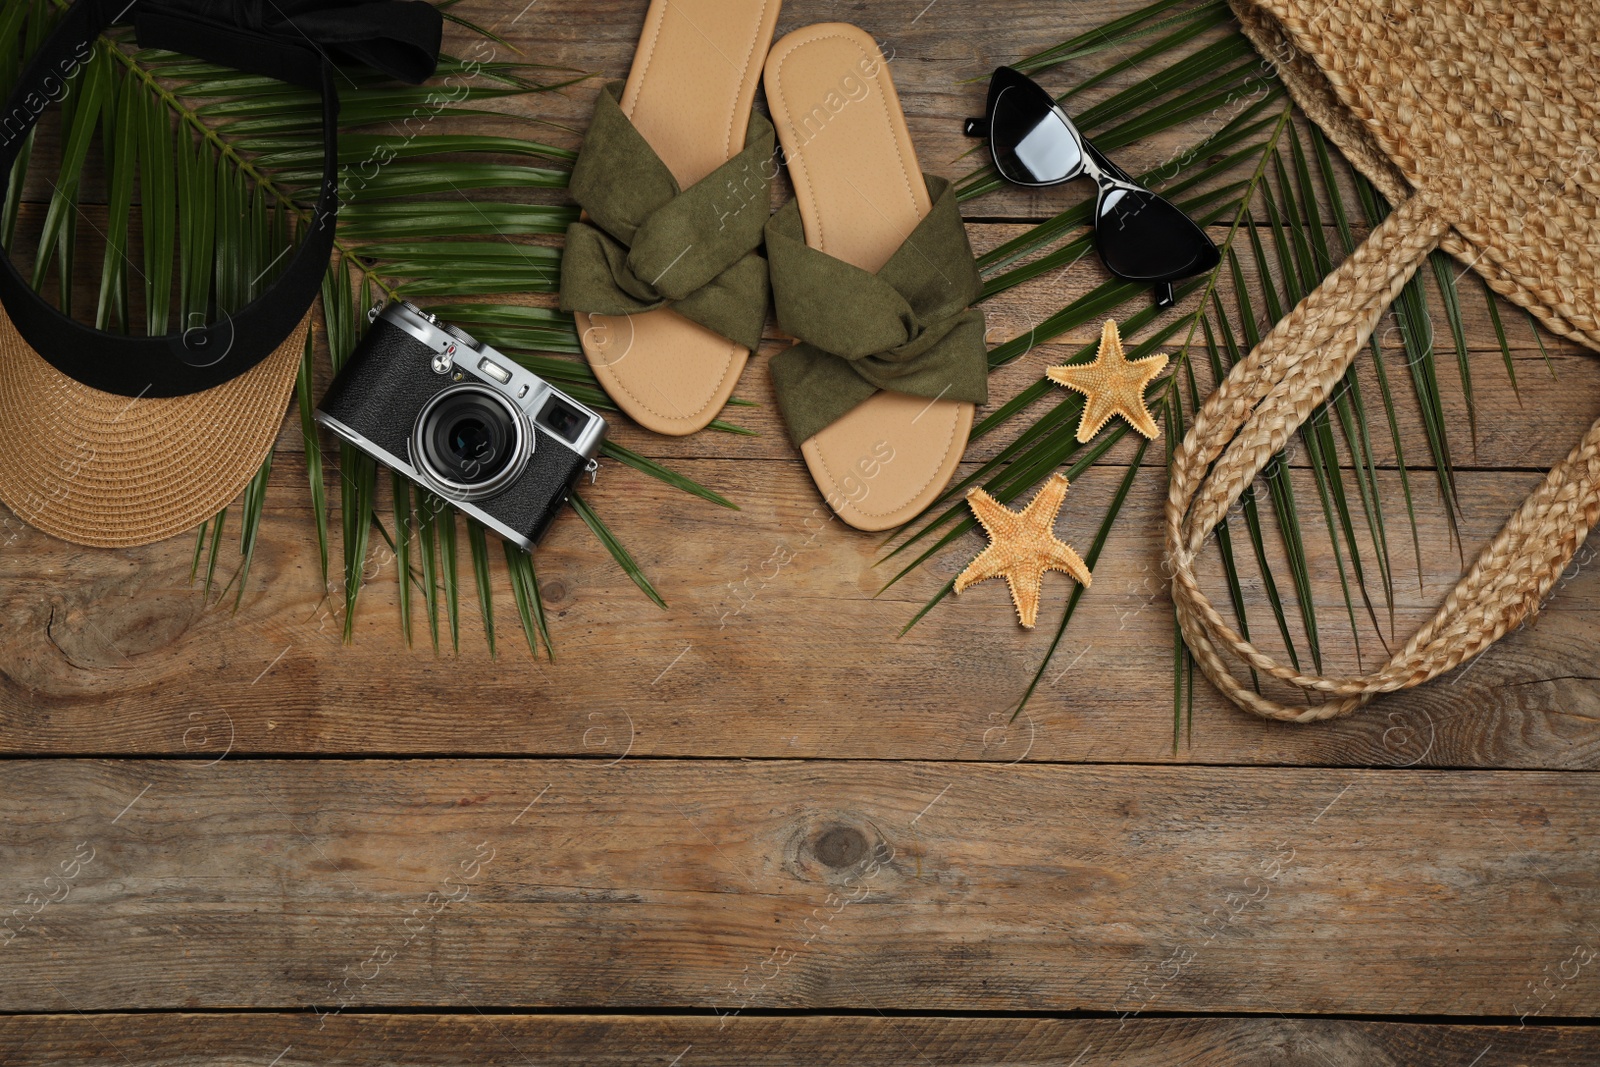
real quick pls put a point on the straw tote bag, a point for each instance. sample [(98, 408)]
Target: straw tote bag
[(1477, 119)]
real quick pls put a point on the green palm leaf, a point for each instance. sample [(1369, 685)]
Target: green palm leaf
[(221, 165), (1267, 189)]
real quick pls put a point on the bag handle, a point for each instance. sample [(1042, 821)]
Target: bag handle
[(1251, 416), (401, 38)]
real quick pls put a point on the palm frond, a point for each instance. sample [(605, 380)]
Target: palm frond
[(312, 445), (404, 524), (478, 542), (1274, 194), (525, 588), (255, 495), (444, 530), (429, 506), (222, 164), (629, 565)]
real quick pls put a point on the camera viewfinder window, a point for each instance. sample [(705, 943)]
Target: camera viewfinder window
[(562, 420)]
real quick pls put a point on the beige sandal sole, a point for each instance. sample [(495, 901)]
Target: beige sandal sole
[(689, 94), (861, 193)]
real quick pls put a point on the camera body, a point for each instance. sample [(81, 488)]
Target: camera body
[(463, 421)]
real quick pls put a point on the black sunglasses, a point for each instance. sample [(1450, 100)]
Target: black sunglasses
[(1141, 237)]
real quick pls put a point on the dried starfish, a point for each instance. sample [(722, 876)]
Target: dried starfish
[(1112, 384), (1022, 546)]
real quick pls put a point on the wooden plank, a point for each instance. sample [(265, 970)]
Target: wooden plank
[(940, 59), (773, 645), (469, 1040), (1527, 431), (1529, 426), (345, 885)]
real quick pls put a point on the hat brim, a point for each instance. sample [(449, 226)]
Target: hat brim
[(111, 471)]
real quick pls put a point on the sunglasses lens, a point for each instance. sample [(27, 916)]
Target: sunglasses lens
[(1032, 144), (1144, 238)]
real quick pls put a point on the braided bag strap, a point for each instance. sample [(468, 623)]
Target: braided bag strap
[(1250, 417)]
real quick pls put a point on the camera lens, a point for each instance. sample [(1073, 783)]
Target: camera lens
[(473, 446), (471, 441)]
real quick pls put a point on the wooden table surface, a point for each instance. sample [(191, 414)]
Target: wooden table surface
[(759, 827)]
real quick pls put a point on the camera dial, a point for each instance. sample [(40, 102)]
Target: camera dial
[(462, 335), (428, 315), (471, 442)]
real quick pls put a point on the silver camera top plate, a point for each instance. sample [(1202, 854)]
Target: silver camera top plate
[(455, 349)]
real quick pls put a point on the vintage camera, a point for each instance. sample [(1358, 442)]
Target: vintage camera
[(455, 416)]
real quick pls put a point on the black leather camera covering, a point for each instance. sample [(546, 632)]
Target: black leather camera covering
[(383, 387)]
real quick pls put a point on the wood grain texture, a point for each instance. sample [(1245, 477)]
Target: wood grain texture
[(761, 799), (344, 885), (140, 662), (940, 58), (773, 645), (1529, 425), (110, 651), (476, 1040)]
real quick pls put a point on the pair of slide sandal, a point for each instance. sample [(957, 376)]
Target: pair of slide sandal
[(870, 268)]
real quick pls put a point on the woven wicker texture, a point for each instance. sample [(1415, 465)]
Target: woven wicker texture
[(1477, 118), (105, 470)]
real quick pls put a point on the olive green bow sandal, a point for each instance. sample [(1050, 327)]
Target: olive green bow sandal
[(674, 176), (872, 273)]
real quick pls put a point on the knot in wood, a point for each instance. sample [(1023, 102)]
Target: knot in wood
[(840, 847)]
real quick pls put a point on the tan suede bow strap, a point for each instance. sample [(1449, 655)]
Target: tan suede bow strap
[(648, 244)]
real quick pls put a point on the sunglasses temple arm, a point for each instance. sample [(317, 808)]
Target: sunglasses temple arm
[(978, 127), (1162, 292)]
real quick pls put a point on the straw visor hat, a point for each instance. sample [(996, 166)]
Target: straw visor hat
[(101, 469), (114, 440)]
